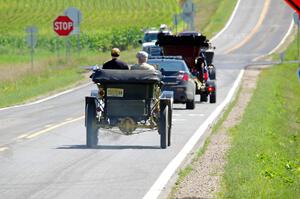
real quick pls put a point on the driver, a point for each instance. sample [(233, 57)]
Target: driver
[(114, 63)]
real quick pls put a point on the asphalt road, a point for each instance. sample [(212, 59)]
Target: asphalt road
[(42, 146)]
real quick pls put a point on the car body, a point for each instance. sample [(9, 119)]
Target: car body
[(189, 33), (176, 78), (127, 100), (149, 40)]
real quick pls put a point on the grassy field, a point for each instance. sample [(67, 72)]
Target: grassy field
[(264, 161), (15, 67), (97, 15), (104, 23), (24, 83)]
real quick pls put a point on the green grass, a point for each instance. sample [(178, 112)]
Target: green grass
[(97, 15), (105, 23), (36, 85), (183, 173), (264, 160), (55, 76)]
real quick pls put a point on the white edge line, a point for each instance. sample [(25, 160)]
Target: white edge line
[(228, 22), (284, 38), (280, 44), (164, 177), (48, 98)]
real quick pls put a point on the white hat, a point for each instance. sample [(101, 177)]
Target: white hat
[(142, 54), (163, 26)]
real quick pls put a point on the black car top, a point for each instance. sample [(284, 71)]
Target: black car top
[(126, 76)]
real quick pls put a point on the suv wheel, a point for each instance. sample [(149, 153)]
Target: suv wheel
[(190, 104)]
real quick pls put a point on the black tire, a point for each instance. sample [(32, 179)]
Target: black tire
[(212, 73), (203, 97), (212, 98), (190, 104), (164, 127), (170, 125), (91, 126)]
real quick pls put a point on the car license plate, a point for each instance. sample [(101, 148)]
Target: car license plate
[(115, 92)]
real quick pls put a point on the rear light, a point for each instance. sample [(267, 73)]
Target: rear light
[(206, 76), (101, 92), (183, 76), (211, 89)]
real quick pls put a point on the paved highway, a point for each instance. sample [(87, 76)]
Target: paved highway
[(42, 145)]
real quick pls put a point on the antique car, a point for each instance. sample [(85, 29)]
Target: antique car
[(127, 100), (206, 53)]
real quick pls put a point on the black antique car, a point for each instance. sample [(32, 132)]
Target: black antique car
[(127, 100)]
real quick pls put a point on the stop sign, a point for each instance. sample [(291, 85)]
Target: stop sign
[(295, 4), (63, 25)]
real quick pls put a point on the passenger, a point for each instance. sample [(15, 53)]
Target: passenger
[(114, 63), (201, 69), (142, 57)]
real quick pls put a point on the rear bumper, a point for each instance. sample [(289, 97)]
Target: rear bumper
[(182, 94)]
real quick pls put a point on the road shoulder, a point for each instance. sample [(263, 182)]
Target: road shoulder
[(204, 180)]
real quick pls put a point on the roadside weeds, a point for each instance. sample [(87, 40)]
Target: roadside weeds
[(210, 166)]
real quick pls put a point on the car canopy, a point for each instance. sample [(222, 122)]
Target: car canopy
[(126, 76), (186, 46)]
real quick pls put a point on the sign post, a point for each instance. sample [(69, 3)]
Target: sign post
[(188, 12), (31, 41), (76, 16), (176, 21)]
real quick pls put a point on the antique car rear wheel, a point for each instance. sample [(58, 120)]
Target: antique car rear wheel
[(164, 127), (170, 112), (203, 97), (91, 126)]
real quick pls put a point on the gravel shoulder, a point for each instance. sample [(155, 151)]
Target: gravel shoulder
[(204, 181)]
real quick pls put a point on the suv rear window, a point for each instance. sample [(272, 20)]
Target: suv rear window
[(168, 65), (150, 37)]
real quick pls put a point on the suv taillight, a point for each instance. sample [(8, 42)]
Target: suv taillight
[(183, 76)]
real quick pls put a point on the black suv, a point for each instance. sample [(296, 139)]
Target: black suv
[(176, 78)]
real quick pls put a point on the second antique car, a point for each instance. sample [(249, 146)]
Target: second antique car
[(127, 100)]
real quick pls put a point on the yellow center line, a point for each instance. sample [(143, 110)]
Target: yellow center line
[(3, 148), (255, 29), (69, 119), (22, 136), (52, 128)]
